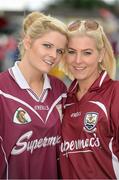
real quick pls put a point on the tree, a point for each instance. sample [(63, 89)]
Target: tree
[(83, 4)]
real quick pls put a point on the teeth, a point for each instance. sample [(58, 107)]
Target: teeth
[(79, 68), (48, 62)]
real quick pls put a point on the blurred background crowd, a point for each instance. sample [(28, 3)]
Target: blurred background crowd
[(12, 13)]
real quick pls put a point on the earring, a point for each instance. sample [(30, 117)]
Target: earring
[(99, 61)]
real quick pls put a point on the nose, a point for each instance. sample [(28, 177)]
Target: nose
[(78, 58), (53, 53)]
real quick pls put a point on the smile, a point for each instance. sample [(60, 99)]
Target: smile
[(49, 62), (79, 68)]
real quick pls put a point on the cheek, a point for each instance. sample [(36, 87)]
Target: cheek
[(92, 61), (38, 53), (58, 59), (37, 49), (93, 65), (69, 59)]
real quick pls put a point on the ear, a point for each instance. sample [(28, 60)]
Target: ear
[(102, 54), (27, 42)]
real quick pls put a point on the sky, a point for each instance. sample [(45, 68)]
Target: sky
[(22, 4), (28, 4), (109, 1)]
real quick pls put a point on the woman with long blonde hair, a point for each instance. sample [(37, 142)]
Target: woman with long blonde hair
[(90, 128), (29, 144)]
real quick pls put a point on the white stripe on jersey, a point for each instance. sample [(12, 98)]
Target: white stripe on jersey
[(101, 106), (75, 152), (4, 157), (66, 105), (102, 79), (28, 106), (20, 101), (74, 86), (115, 161), (54, 104)]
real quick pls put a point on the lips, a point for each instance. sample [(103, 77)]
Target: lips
[(49, 62), (78, 68)]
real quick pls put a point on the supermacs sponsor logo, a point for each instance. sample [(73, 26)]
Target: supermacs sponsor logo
[(80, 144), (25, 144)]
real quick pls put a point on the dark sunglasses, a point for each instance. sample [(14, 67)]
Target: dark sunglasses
[(89, 25)]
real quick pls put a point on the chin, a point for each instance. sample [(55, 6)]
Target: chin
[(45, 70), (79, 78)]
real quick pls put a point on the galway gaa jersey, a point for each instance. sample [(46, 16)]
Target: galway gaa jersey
[(29, 127), (90, 131)]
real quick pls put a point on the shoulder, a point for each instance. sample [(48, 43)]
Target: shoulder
[(6, 82), (114, 90), (4, 77), (115, 85), (110, 84), (56, 83)]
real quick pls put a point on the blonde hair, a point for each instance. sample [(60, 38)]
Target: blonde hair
[(108, 62), (37, 24)]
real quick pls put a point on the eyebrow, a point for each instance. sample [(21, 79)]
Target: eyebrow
[(71, 48), (49, 43), (88, 49), (54, 45)]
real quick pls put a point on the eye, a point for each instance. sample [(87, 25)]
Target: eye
[(47, 45), (60, 51), (70, 51), (87, 53)]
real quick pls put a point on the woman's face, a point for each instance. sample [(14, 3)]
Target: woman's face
[(82, 58), (46, 51)]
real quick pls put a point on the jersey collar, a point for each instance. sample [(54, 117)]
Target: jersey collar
[(21, 81), (96, 85)]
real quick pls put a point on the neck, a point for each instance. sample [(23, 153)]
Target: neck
[(30, 73), (84, 85), (81, 92), (33, 78)]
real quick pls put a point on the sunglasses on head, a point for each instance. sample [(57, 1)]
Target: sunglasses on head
[(89, 25)]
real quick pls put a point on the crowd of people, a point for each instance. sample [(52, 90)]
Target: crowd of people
[(8, 46), (49, 130)]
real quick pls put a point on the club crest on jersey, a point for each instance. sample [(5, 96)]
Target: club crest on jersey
[(21, 117), (90, 121)]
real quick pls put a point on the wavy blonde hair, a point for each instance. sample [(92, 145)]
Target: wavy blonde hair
[(37, 24), (108, 62)]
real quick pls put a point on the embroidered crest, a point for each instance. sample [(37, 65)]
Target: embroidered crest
[(21, 117), (90, 121)]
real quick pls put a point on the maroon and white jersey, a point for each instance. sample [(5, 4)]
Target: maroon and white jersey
[(29, 127), (90, 131)]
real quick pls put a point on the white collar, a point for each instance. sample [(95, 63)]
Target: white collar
[(21, 81)]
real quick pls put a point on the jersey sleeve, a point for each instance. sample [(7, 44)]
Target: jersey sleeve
[(2, 152), (114, 113)]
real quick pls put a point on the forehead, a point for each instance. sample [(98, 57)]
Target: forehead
[(82, 41), (53, 37)]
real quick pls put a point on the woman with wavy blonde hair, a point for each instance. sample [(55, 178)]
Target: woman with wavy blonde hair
[(90, 128), (29, 145)]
